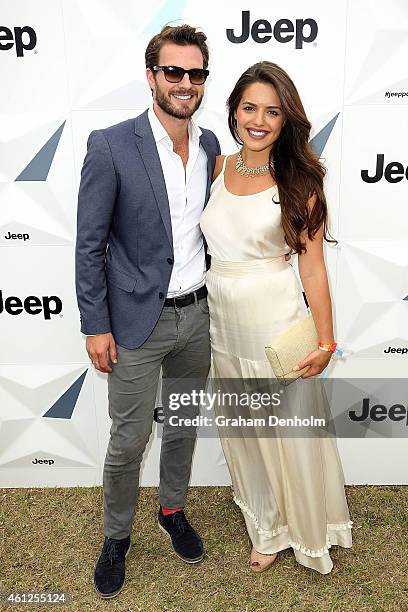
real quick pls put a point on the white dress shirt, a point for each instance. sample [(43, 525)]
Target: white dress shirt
[(186, 193)]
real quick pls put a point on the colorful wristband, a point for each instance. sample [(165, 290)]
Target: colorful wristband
[(328, 346)]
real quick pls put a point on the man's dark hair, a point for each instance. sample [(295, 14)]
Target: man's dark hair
[(179, 35)]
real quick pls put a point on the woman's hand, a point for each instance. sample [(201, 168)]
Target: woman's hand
[(317, 360)]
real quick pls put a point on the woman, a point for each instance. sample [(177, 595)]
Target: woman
[(268, 200)]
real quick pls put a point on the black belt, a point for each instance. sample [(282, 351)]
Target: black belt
[(186, 300)]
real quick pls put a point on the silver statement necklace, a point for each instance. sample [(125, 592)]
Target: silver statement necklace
[(244, 170)]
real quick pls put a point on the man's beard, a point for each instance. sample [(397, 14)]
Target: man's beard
[(179, 113)]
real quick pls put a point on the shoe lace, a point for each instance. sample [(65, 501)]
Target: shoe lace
[(111, 553), (180, 521)]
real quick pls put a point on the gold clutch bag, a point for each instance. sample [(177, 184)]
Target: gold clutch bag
[(290, 347)]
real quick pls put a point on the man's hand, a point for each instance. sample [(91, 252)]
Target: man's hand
[(98, 347)]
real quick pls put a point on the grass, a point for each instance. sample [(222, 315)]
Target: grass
[(51, 538)]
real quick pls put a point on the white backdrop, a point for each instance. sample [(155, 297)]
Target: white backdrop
[(69, 66)]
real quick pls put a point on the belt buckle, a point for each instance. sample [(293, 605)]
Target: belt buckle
[(186, 299), (180, 301), (183, 299)]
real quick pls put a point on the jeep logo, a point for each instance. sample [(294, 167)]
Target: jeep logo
[(283, 31), (393, 172), (11, 236), (402, 350), (24, 38), (43, 461), (48, 305), (379, 412)]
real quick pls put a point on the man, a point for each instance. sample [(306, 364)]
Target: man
[(140, 273)]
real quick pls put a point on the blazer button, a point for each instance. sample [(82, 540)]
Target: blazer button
[(160, 295), (169, 261)]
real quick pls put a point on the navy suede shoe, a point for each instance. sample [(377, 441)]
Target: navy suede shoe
[(110, 568), (186, 542)]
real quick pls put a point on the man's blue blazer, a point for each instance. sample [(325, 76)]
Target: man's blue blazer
[(124, 247)]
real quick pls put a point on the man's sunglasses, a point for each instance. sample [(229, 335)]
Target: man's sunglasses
[(175, 74)]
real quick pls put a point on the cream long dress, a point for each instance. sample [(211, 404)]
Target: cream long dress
[(290, 489)]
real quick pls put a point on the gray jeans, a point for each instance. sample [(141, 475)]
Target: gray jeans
[(180, 345)]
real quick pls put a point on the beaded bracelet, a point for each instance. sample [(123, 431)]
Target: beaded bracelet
[(328, 346)]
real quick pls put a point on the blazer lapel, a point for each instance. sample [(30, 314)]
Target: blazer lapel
[(208, 148), (151, 160)]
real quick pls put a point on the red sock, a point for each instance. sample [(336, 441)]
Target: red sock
[(167, 511)]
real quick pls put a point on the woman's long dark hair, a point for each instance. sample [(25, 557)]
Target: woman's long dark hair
[(297, 169)]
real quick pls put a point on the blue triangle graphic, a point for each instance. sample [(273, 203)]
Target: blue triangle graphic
[(171, 11), (39, 166), (65, 405), (320, 139), (405, 298)]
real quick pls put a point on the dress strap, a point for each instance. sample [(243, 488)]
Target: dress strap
[(221, 174)]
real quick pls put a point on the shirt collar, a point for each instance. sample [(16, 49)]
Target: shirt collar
[(159, 133), (194, 130)]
